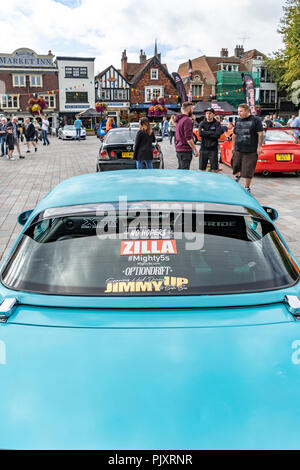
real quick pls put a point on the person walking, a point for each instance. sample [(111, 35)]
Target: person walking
[(10, 142), (14, 125), (289, 123), (172, 129), (3, 126), (37, 128), (45, 127), (143, 148), (29, 132), (210, 130), (165, 127), (184, 137), (78, 126), (247, 142)]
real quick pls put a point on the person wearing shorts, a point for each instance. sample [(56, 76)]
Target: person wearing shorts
[(210, 131), (247, 142), (29, 131)]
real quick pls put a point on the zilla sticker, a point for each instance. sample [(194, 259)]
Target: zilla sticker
[(148, 247)]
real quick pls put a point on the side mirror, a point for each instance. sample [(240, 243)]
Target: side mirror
[(24, 216), (272, 213), (158, 139)]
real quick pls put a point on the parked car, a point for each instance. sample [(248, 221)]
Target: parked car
[(69, 133), (281, 152), (117, 333), (116, 151)]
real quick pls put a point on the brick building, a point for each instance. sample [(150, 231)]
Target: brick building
[(25, 74), (149, 79)]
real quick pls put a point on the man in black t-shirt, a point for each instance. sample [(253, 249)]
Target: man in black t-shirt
[(247, 142)]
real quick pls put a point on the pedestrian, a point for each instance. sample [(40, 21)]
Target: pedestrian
[(14, 125), (247, 142), (3, 125), (29, 132), (172, 129), (143, 148), (110, 124), (184, 137), (267, 122), (165, 127), (37, 128), (210, 130), (45, 127), (289, 123), (78, 126), (10, 142), (296, 123)]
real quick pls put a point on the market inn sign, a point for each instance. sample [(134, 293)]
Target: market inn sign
[(25, 58)]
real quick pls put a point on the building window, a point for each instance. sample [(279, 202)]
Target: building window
[(9, 101), (19, 80), (153, 92), (50, 100), (197, 90), (104, 94), (76, 72), (154, 74), (76, 97), (36, 81), (120, 95)]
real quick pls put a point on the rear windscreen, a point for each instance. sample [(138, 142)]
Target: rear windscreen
[(110, 254)]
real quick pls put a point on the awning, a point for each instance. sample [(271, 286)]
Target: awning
[(220, 107), (91, 112)]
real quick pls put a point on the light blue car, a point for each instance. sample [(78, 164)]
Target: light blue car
[(153, 310)]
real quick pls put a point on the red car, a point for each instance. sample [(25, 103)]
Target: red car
[(281, 152)]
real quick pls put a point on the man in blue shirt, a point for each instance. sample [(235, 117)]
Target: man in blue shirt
[(78, 125), (296, 123)]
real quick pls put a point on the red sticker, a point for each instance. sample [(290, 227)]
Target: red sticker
[(148, 247)]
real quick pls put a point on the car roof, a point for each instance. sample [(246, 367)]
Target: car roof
[(147, 185)]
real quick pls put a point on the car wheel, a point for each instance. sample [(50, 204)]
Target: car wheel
[(162, 166), (298, 172)]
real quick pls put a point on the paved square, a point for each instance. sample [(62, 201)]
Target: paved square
[(24, 182)]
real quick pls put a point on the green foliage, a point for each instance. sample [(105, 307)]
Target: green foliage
[(284, 65)]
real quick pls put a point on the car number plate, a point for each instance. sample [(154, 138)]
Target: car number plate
[(127, 154), (283, 157)]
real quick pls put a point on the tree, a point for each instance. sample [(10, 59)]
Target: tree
[(284, 65)]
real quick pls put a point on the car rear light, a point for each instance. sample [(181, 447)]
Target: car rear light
[(156, 154), (262, 161), (104, 155), (112, 154)]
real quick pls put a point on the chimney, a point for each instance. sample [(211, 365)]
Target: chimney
[(124, 64), (143, 57), (224, 52), (238, 51)]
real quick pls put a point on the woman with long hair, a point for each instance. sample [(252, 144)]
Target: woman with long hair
[(110, 124), (143, 148), (172, 129)]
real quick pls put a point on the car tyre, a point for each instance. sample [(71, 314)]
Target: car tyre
[(298, 172)]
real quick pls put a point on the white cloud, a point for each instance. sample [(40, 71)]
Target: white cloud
[(103, 29)]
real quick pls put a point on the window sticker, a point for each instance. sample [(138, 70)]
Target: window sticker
[(167, 283), (148, 247)]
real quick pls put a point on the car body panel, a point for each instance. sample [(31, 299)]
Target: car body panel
[(182, 372), (133, 383)]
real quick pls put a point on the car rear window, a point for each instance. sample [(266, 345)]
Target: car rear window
[(121, 137), (112, 252), (277, 136)]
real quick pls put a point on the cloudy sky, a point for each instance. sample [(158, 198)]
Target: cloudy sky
[(104, 28)]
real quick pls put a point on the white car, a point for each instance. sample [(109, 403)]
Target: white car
[(69, 133)]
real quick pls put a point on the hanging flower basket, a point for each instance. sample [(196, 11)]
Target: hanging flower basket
[(100, 107), (35, 106), (157, 107)]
